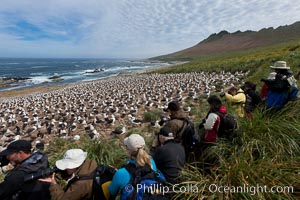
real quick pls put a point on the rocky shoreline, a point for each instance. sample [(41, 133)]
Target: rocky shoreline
[(6, 82)]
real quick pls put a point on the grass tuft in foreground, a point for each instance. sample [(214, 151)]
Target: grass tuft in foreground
[(265, 154)]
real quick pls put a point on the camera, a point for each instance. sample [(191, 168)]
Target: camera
[(40, 174), (163, 120)]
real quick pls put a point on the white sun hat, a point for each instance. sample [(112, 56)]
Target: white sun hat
[(72, 159), (280, 65), (134, 142)]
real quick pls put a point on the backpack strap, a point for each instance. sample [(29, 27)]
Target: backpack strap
[(79, 178), (219, 114), (140, 173), (184, 124), (131, 168)]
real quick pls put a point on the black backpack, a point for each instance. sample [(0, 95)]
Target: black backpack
[(189, 137), (144, 184), (228, 125), (252, 101), (102, 177)]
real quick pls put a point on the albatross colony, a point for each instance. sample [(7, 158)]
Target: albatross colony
[(98, 108)]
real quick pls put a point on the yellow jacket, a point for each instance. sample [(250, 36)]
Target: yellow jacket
[(237, 101)]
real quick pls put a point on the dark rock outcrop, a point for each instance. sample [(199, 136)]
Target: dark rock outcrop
[(11, 81)]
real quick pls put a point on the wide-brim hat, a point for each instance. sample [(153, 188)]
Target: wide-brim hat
[(72, 159), (280, 65)]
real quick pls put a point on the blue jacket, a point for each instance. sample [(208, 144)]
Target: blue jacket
[(122, 178), (279, 93)]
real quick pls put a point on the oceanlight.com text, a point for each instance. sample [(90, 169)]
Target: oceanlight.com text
[(251, 189)]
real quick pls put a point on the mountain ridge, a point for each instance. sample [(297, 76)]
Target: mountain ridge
[(224, 41)]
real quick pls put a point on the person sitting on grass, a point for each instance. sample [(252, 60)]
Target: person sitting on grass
[(169, 156), (18, 153), (236, 98), (77, 167), (282, 89), (176, 121), (212, 120), (139, 160)]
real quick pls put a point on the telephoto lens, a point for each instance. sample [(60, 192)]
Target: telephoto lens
[(40, 174)]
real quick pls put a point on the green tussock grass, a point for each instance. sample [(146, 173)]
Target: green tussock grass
[(265, 153), (256, 61), (108, 151)]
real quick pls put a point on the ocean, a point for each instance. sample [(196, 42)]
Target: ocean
[(39, 72)]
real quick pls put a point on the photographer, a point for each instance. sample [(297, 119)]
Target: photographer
[(80, 180), (237, 99), (19, 155), (176, 120)]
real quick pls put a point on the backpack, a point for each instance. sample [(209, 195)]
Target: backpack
[(189, 137), (102, 177), (252, 101), (144, 184), (227, 126)]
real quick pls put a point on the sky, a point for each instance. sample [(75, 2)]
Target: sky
[(128, 28)]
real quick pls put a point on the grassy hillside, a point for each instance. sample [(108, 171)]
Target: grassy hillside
[(264, 154), (257, 61), (224, 42)]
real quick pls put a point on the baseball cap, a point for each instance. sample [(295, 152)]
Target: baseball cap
[(134, 142), (166, 131), (16, 146)]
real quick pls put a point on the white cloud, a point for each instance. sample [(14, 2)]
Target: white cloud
[(129, 28)]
